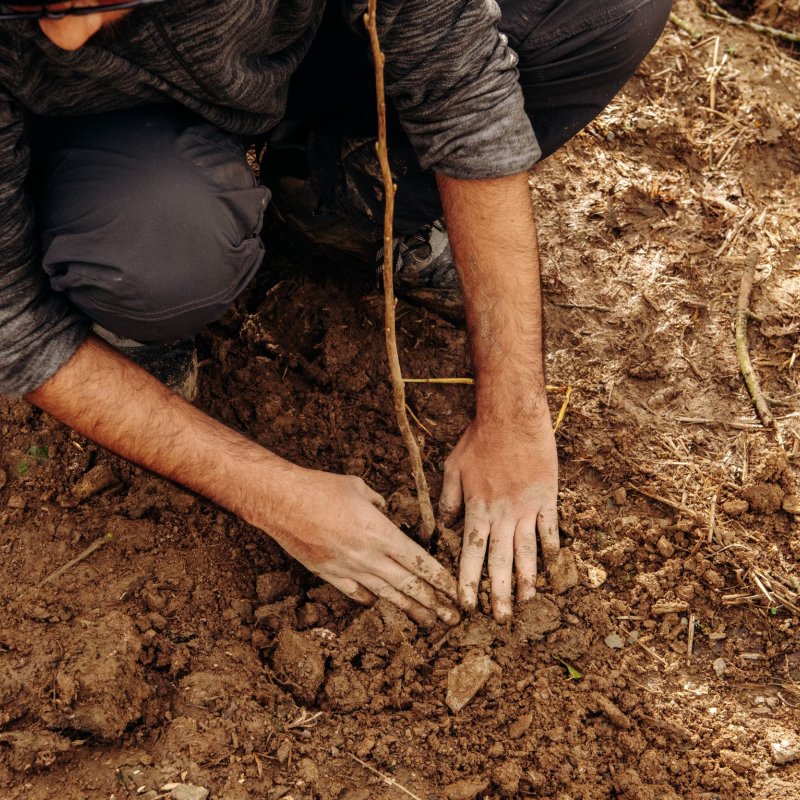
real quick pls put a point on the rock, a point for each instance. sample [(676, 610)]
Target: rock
[(297, 661), (467, 679), (308, 771), (720, 666), (650, 583), (736, 507), (785, 748), (614, 641), (595, 576), (507, 777), (479, 632), (563, 572), (621, 496), (538, 616), (185, 791), (520, 726), (272, 586), (284, 751), (791, 503), (94, 481), (465, 790), (665, 547)]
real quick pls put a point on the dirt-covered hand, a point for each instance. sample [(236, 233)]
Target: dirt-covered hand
[(335, 527), (505, 474)]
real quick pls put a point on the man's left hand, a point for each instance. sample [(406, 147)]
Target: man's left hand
[(505, 474)]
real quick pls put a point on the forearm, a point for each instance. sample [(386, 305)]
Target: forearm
[(493, 237), (112, 401)]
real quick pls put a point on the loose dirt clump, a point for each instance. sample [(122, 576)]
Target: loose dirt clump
[(660, 659)]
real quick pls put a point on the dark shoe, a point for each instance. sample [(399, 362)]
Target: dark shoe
[(175, 364), (424, 271)]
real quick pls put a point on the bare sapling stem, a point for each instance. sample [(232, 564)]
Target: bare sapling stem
[(398, 385)]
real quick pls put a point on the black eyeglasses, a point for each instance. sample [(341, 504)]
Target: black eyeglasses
[(51, 10)]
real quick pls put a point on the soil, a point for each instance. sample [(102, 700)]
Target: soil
[(660, 660)]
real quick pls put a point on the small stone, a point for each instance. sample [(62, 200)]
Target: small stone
[(791, 503), (284, 751), (720, 666), (272, 586), (614, 641), (185, 791), (467, 679), (785, 750), (665, 547), (621, 496), (465, 790), (650, 583), (308, 771), (563, 572), (735, 507), (538, 616), (595, 576), (520, 726), (16, 501), (507, 777), (94, 481), (298, 661)]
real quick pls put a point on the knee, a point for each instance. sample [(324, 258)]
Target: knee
[(153, 249)]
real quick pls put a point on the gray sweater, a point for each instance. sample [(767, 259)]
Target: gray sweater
[(451, 76)]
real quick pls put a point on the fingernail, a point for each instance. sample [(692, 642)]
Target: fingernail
[(467, 601), (502, 611), (450, 616)]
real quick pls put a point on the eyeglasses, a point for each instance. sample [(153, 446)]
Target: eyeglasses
[(57, 9)]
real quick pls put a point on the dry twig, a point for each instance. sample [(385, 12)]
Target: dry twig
[(96, 545), (398, 387), (726, 16), (743, 351), (385, 778)]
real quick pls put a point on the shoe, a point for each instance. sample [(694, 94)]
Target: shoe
[(424, 271), (295, 205), (175, 364)]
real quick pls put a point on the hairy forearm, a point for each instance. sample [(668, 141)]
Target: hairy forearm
[(493, 237), (112, 401)]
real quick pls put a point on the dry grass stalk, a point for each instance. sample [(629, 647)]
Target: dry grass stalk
[(398, 387)]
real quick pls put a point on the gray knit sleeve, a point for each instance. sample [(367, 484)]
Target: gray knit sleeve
[(39, 330), (453, 79)]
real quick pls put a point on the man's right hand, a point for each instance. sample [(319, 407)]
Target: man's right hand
[(330, 523), (334, 526)]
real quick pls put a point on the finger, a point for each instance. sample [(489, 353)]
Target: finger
[(355, 591), (501, 559), (473, 552), (376, 499), (416, 560), (525, 559), (419, 590), (417, 612), (547, 525), (452, 495)]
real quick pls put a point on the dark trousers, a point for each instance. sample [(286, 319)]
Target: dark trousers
[(150, 218)]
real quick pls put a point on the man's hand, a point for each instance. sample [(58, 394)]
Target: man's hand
[(506, 476), (337, 530), (505, 468), (330, 523)]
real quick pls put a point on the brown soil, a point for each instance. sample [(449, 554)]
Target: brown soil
[(188, 648)]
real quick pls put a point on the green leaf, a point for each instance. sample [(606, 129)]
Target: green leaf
[(574, 674)]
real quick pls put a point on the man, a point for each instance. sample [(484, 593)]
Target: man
[(148, 224)]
